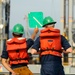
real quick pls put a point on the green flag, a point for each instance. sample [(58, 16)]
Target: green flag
[(35, 19)]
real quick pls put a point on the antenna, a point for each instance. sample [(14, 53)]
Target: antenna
[(27, 34)]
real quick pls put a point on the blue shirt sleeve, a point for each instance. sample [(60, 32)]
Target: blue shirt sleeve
[(30, 42), (36, 44), (64, 42), (4, 52)]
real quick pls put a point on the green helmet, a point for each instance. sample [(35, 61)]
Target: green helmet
[(18, 29), (48, 20)]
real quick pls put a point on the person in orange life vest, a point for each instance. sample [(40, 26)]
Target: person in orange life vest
[(16, 49), (50, 44)]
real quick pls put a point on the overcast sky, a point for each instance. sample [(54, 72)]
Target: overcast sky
[(20, 8)]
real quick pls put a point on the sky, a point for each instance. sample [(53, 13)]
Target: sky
[(20, 8)]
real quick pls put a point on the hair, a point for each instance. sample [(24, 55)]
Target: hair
[(17, 35), (50, 25)]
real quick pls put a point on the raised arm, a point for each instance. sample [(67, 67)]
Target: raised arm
[(36, 30)]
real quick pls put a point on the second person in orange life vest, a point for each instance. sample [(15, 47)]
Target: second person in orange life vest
[(16, 50), (50, 44)]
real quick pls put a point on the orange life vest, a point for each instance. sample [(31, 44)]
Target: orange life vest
[(50, 42), (17, 50)]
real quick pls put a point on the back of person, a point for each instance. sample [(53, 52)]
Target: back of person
[(16, 50), (51, 40), (50, 43)]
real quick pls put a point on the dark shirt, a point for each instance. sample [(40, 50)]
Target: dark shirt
[(47, 58), (30, 42)]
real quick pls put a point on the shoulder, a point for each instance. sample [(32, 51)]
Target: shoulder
[(63, 38), (9, 39), (65, 43), (30, 40)]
